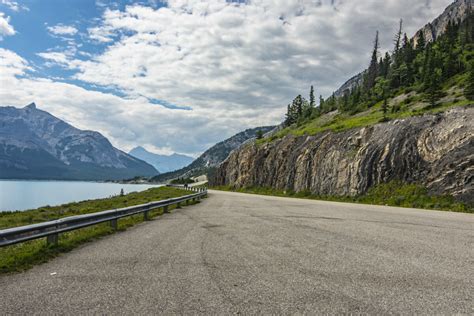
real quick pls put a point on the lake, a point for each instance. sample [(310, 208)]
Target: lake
[(28, 194)]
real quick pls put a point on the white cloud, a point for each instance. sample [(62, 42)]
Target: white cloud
[(235, 65), (100, 34), (127, 122), (13, 5), (258, 54), (11, 65), (61, 29), (5, 28)]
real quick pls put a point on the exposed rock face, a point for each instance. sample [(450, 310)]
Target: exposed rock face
[(350, 84), (436, 151), (455, 12)]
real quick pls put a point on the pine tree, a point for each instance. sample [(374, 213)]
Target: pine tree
[(298, 106), (321, 102), (398, 41), (432, 83), (312, 100), (288, 117), (385, 109), (387, 60), (433, 94), (373, 71), (259, 134), (469, 89), (426, 60), (420, 43)]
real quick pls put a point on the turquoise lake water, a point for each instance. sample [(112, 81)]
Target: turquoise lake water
[(23, 195)]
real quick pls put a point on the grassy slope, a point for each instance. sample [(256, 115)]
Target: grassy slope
[(408, 103), (392, 194), (23, 256)]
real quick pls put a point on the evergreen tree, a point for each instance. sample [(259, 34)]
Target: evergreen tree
[(385, 65), (312, 100), (469, 89), (298, 106), (373, 66), (426, 60), (289, 118), (432, 83), (259, 134), (433, 93), (344, 106), (398, 41), (385, 109), (321, 103), (420, 43)]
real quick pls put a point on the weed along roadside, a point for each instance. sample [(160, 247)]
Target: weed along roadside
[(393, 193), (35, 236)]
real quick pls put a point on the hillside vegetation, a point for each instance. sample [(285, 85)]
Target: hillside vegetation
[(418, 77)]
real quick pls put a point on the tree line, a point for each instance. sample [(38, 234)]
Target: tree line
[(414, 65)]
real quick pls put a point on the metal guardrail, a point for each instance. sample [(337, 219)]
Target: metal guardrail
[(52, 229)]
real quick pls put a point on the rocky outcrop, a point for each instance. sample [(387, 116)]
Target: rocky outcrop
[(436, 151), (456, 12)]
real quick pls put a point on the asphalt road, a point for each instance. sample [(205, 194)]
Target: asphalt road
[(247, 254)]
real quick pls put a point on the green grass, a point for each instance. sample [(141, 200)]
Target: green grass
[(392, 194), (23, 256), (411, 105)]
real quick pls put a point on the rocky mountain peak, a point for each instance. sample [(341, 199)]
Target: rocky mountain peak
[(31, 106), (456, 12), (37, 145)]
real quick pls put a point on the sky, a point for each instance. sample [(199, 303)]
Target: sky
[(182, 75)]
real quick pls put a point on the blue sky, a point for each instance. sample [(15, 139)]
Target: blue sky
[(181, 75), (35, 23)]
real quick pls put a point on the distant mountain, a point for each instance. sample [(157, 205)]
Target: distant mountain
[(162, 163), (36, 145), (455, 12), (213, 156)]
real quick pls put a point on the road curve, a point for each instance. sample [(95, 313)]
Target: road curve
[(240, 253)]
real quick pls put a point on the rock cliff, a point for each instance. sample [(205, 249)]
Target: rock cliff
[(456, 12), (436, 151)]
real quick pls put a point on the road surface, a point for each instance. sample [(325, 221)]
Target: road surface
[(246, 254)]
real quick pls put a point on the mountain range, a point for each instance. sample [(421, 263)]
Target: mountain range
[(214, 156), (162, 163), (37, 145)]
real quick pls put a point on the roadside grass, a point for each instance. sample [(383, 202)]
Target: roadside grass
[(393, 193), (23, 256), (202, 186)]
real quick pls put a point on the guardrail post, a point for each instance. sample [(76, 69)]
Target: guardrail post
[(145, 216), (114, 224), (165, 209), (178, 205), (52, 239)]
